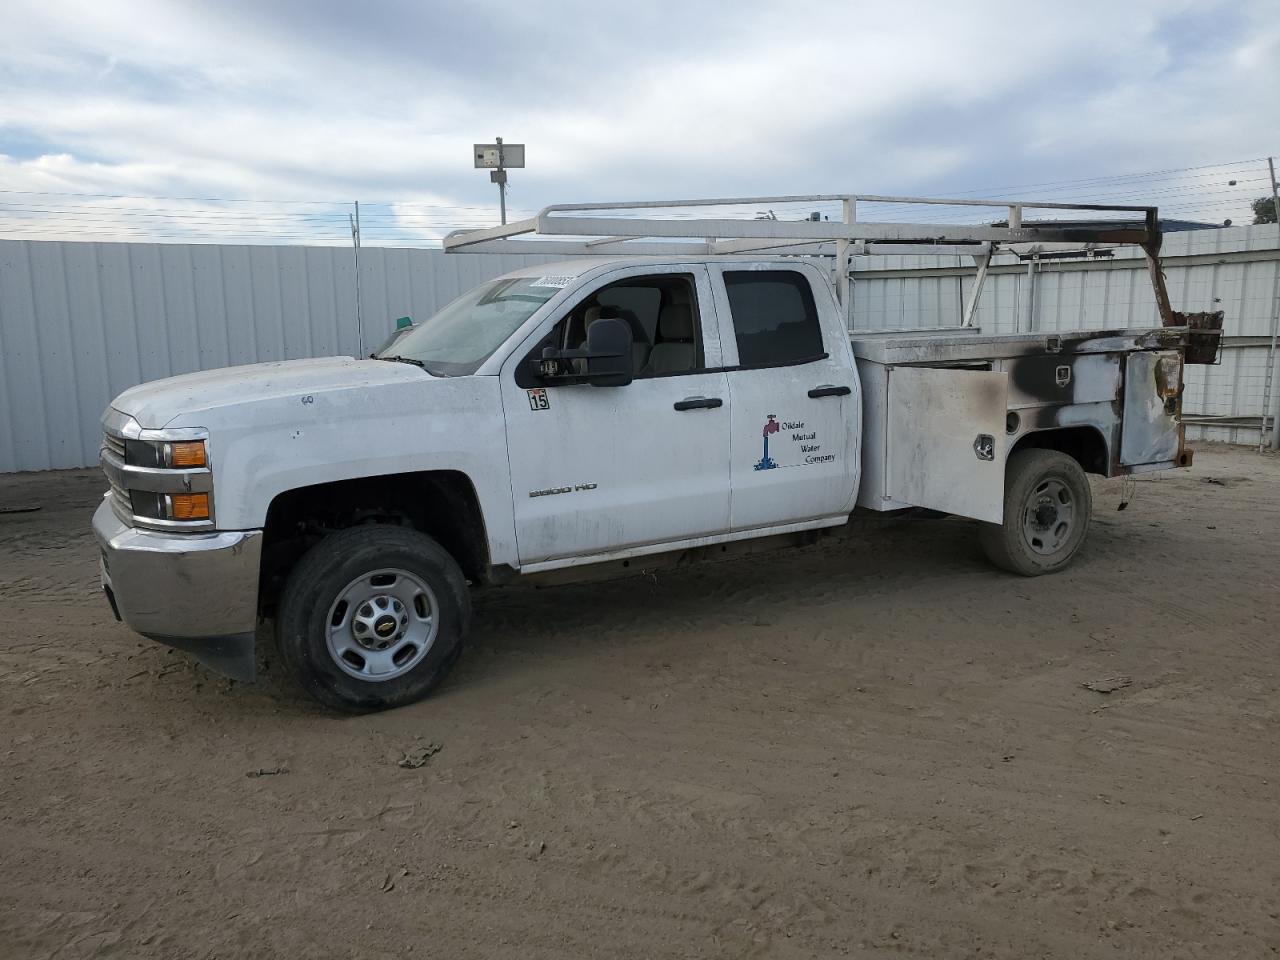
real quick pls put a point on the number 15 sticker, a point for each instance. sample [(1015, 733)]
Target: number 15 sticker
[(538, 399)]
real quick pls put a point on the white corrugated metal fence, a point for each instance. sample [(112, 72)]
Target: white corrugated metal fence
[(80, 322)]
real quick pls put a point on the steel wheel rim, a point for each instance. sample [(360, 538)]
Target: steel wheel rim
[(1048, 516), (381, 625)]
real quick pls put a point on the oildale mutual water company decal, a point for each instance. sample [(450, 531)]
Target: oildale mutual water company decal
[(795, 444)]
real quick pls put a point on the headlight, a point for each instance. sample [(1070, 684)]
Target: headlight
[(178, 455)]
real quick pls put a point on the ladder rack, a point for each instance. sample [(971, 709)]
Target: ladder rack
[(624, 229)]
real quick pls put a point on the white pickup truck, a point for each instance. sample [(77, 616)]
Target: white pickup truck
[(600, 414)]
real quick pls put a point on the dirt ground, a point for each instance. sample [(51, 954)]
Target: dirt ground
[(870, 747)]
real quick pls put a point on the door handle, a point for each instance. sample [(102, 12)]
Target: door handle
[(699, 403), (827, 390)]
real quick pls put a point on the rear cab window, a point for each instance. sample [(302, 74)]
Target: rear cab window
[(775, 318)]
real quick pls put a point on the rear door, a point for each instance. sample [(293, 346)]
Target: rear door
[(794, 397)]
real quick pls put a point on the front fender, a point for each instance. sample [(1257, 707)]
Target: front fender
[(271, 447)]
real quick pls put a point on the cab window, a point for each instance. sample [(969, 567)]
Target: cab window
[(775, 320), (662, 312)]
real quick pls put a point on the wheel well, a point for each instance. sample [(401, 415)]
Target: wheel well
[(441, 504), (1085, 445)]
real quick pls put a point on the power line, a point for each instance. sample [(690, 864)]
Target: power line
[(1125, 176), (1192, 190)]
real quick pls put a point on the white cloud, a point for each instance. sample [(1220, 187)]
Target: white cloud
[(382, 102)]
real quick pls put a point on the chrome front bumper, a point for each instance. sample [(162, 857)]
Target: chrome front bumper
[(196, 591)]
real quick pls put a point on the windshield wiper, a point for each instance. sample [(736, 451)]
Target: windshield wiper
[(399, 359)]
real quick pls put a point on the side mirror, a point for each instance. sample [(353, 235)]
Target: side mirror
[(607, 357), (609, 347)]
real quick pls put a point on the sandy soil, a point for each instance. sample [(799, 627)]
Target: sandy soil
[(870, 747)]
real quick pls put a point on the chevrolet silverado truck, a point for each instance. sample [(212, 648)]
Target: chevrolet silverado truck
[(606, 414)]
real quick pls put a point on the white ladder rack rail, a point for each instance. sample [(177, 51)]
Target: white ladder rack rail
[(598, 229)]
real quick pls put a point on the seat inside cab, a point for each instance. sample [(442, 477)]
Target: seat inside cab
[(662, 315)]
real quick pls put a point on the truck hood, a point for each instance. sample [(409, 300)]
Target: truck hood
[(155, 405)]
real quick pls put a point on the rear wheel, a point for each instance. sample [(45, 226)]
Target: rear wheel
[(1047, 508), (373, 617)]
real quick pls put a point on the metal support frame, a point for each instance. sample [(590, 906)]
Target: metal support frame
[(604, 229), (983, 264), (355, 252), (1032, 314), (843, 286), (1275, 328), (576, 229)]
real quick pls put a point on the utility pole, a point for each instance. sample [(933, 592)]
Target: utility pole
[(1275, 327), (499, 177), (355, 251)]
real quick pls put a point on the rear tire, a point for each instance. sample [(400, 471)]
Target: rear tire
[(372, 617), (1047, 509)]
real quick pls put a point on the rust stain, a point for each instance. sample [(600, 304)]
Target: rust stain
[(1204, 334)]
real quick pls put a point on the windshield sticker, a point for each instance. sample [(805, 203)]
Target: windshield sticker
[(555, 283)]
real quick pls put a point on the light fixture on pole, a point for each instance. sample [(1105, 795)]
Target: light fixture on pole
[(497, 157)]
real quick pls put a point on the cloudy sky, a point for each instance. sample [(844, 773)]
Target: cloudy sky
[(380, 101)]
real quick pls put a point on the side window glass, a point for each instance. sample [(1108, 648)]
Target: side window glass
[(641, 303), (662, 312), (775, 319)]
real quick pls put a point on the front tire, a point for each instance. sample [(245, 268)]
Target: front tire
[(1047, 509), (373, 617)]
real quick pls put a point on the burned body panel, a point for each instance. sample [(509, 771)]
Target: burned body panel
[(1152, 432), (1062, 378), (949, 348), (1097, 427), (1111, 399)]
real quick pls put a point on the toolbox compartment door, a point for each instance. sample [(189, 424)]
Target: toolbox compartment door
[(1152, 428), (945, 442)]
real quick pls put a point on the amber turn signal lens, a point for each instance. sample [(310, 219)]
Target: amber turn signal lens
[(189, 506), (189, 453)]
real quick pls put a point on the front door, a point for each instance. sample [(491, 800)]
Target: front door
[(795, 402), (597, 470)]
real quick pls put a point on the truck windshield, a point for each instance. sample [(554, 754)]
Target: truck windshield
[(458, 339)]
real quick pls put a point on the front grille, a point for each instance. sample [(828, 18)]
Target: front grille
[(114, 444), (121, 503), (120, 500)]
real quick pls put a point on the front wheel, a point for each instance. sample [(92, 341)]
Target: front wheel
[(1047, 508), (373, 617)]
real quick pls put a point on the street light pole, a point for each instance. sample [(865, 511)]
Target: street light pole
[(499, 177), (496, 157)]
